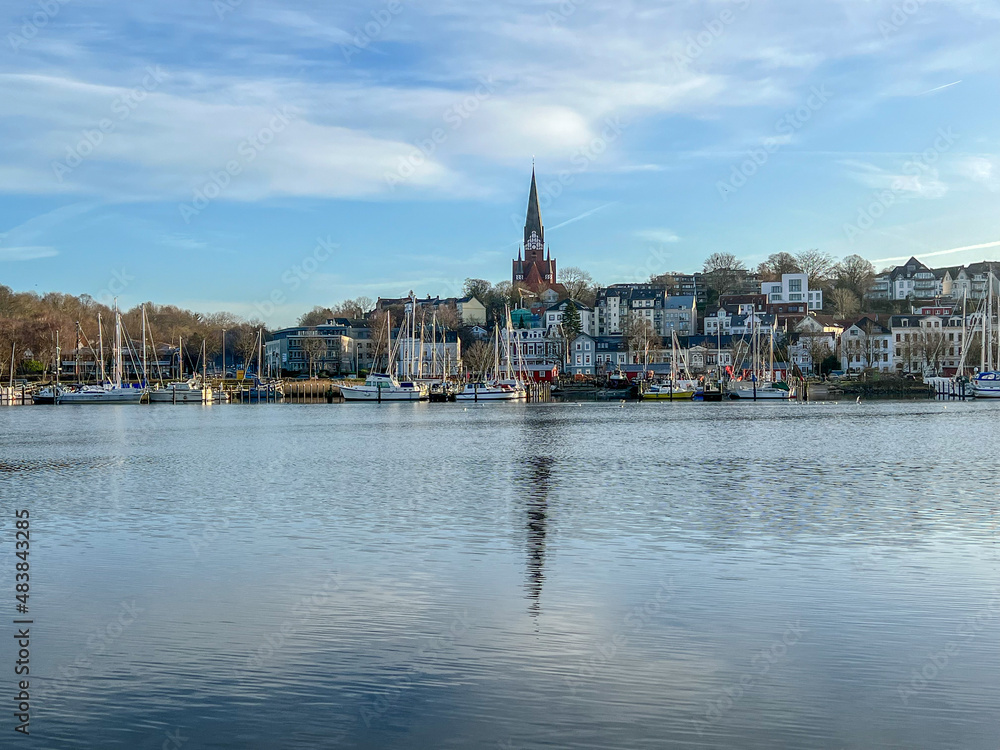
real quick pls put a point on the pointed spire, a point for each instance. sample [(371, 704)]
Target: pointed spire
[(533, 222)]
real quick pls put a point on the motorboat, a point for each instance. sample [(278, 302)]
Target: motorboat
[(480, 391), (986, 385), (184, 392), (380, 387)]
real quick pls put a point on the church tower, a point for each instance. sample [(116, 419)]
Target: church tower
[(537, 269)]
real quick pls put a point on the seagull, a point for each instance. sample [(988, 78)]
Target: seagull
[(859, 400)]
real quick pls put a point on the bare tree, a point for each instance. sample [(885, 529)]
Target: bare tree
[(845, 302), (315, 349), (478, 358), (818, 265), (776, 265), (723, 271), (855, 274), (579, 284)]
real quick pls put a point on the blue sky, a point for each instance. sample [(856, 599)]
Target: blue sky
[(404, 134)]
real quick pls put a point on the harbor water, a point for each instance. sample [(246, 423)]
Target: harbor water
[(593, 575)]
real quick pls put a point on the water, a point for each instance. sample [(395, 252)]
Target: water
[(508, 576)]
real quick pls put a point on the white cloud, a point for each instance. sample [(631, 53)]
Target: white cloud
[(657, 235), (29, 252)]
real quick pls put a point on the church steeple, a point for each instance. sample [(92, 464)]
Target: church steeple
[(533, 221), (538, 269)]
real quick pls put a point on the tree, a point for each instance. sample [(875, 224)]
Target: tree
[(818, 348), (855, 274), (579, 284), (315, 317), (354, 309), (315, 348), (571, 323), (478, 358), (818, 265), (640, 337), (776, 265), (478, 288), (723, 271), (845, 302)]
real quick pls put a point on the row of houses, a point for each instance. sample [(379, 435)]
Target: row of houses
[(915, 280)]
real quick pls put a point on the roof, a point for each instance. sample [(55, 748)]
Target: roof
[(680, 302), (578, 305)]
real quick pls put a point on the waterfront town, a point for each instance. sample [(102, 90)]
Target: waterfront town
[(817, 315)]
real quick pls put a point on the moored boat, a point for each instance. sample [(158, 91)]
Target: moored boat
[(986, 385), (479, 391), (760, 391), (384, 387), (185, 392)]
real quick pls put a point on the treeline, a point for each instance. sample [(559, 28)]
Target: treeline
[(29, 322)]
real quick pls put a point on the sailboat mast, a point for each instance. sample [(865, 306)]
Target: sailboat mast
[(118, 347), (145, 377), (100, 346), (58, 358)]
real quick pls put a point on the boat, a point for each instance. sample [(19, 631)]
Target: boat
[(480, 391), (185, 392), (384, 387), (441, 392), (47, 395), (758, 391), (677, 388), (986, 385), (108, 391), (681, 390)]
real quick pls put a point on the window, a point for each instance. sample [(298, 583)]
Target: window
[(795, 285)]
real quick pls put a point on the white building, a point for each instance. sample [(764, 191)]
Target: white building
[(866, 345), (793, 287), (553, 316)]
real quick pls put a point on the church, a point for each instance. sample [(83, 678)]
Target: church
[(535, 268)]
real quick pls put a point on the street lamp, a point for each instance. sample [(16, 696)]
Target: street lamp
[(223, 353)]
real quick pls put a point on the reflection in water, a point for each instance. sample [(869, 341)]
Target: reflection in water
[(536, 482)]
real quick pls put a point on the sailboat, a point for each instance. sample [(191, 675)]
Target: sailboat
[(677, 388), (986, 383), (383, 386), (762, 385), (107, 392), (188, 391)]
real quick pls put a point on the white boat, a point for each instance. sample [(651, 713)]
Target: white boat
[(105, 393), (986, 385), (383, 387), (47, 395), (186, 392), (765, 389), (488, 392), (515, 385), (113, 392)]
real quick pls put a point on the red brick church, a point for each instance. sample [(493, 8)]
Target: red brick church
[(537, 269)]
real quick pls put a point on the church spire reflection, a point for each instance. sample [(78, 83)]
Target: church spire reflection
[(537, 480)]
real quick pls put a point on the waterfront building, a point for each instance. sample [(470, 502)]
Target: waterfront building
[(684, 285), (927, 344), (972, 281), (793, 288), (680, 315), (866, 345), (311, 350), (813, 339)]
